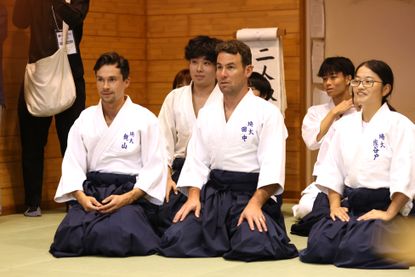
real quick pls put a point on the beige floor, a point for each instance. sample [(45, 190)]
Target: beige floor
[(24, 244)]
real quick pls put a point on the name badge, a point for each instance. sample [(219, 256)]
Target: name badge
[(70, 42)]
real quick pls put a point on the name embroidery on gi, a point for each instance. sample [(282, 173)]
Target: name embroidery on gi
[(377, 144), (247, 130), (128, 139)]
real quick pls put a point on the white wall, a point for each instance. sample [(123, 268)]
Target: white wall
[(377, 29)]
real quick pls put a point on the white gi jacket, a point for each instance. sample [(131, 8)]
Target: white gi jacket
[(177, 118), (131, 145), (377, 154), (252, 140)]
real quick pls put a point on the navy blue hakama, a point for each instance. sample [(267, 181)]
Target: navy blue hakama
[(354, 244), (215, 233), (125, 232), (163, 218), (321, 209)]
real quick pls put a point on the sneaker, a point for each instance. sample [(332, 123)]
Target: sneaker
[(33, 212)]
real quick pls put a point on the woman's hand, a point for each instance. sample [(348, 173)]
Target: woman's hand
[(376, 214), (340, 213)]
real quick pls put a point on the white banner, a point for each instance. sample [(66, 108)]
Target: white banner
[(267, 59)]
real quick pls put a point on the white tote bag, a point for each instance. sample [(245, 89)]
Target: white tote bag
[(49, 87)]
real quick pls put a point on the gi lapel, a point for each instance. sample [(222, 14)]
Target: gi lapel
[(109, 135)]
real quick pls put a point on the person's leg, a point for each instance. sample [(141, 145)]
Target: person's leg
[(321, 209), (358, 246), (163, 217), (248, 245), (206, 236), (68, 239), (184, 239), (33, 136), (305, 205), (323, 241), (125, 232)]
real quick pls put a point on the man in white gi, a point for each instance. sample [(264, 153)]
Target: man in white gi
[(114, 169), (336, 72), (235, 163), (178, 115)]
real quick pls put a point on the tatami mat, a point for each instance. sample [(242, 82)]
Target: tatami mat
[(24, 244)]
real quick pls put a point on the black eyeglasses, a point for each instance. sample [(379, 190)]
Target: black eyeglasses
[(367, 83)]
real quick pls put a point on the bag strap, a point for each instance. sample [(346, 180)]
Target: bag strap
[(65, 26)]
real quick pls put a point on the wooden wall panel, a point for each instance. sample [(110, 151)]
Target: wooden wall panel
[(219, 24), (119, 7), (169, 7), (134, 47), (114, 25)]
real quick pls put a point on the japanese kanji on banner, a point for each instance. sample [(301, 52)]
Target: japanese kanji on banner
[(267, 59)]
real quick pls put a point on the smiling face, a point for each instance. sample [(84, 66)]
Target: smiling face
[(232, 76), (369, 97), (110, 84)]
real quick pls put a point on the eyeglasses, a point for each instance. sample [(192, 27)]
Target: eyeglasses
[(367, 83)]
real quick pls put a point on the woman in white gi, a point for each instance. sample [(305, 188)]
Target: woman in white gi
[(336, 72), (368, 175), (113, 172), (235, 164), (178, 115)]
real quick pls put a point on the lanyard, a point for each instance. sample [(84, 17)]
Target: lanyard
[(54, 18)]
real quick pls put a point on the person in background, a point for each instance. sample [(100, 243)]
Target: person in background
[(368, 176), (113, 172), (336, 72), (178, 115), (235, 165), (260, 86), (44, 18), (182, 78)]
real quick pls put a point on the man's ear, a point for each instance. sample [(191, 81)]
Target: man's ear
[(127, 82), (248, 70), (348, 79)]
